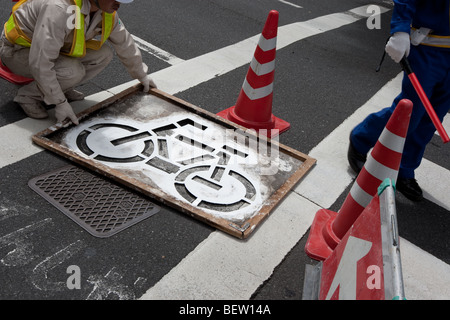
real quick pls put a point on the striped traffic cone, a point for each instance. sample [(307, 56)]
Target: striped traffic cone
[(253, 108), (383, 162)]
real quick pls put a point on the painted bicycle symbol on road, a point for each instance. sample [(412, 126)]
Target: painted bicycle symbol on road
[(182, 157)]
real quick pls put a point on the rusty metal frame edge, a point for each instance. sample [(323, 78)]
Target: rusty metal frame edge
[(240, 231)]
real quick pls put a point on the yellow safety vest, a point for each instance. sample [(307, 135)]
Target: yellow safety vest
[(15, 35)]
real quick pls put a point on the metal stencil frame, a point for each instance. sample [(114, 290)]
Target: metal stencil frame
[(123, 105)]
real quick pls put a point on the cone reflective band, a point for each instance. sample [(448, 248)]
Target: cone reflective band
[(253, 108), (366, 264), (423, 97), (383, 162)]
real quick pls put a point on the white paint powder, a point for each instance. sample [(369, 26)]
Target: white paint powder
[(146, 113)]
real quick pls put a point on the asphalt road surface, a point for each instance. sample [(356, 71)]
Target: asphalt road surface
[(325, 82)]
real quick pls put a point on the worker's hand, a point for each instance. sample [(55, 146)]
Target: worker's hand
[(64, 111), (147, 82), (398, 46)]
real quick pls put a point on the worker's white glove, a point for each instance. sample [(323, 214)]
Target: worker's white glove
[(64, 111), (147, 82), (398, 46)]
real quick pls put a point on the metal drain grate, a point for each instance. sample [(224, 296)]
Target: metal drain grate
[(97, 205)]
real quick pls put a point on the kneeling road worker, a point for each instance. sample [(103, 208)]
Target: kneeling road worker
[(61, 44)]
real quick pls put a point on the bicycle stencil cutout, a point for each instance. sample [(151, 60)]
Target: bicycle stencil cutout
[(183, 156)]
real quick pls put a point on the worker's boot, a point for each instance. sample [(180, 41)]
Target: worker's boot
[(74, 95), (34, 110), (409, 188), (355, 159)]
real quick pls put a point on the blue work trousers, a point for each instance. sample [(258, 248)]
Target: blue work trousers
[(431, 66)]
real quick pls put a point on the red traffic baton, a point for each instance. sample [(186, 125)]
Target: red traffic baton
[(423, 97)]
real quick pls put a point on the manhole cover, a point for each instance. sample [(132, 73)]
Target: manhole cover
[(100, 207)]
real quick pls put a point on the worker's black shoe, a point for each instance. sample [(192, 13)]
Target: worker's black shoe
[(410, 189), (355, 159)]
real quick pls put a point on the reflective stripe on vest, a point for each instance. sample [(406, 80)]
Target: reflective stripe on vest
[(78, 44), (13, 33), (107, 26), (16, 36)]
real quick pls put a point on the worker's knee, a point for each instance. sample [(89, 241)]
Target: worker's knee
[(100, 58), (69, 71)]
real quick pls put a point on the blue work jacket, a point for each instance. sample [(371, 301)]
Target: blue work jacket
[(432, 14)]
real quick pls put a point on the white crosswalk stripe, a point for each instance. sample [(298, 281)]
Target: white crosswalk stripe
[(157, 52)]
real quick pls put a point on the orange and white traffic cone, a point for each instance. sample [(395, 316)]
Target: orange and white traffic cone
[(383, 162), (253, 108)]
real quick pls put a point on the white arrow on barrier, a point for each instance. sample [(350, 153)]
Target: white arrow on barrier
[(345, 277)]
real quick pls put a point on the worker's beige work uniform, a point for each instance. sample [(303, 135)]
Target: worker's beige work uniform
[(46, 23)]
